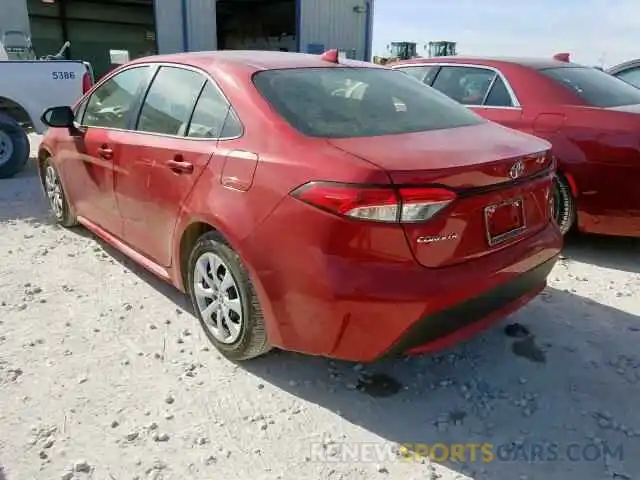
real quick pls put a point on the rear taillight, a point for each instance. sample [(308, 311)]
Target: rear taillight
[(380, 204), (86, 82)]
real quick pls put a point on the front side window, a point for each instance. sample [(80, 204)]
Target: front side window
[(342, 102), (78, 112), (213, 117), (631, 76), (595, 87), (170, 101), (109, 106), (466, 85)]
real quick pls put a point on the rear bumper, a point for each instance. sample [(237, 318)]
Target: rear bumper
[(333, 288), (440, 329)]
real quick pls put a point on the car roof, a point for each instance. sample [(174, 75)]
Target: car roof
[(535, 63), (624, 65), (252, 59)]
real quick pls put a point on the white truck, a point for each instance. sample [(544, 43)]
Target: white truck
[(27, 89)]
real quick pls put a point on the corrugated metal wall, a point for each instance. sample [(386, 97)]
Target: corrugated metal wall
[(168, 15), (200, 22), (369, 50), (14, 16), (202, 32), (325, 24), (335, 24)]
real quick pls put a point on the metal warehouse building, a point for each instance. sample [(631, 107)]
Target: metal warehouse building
[(106, 31)]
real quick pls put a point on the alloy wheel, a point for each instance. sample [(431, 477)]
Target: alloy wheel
[(218, 298), (54, 192)]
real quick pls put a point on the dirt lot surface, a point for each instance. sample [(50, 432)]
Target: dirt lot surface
[(104, 374)]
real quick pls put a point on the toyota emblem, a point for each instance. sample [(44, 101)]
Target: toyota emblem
[(517, 170)]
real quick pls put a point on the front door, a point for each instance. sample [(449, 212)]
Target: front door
[(91, 152), (91, 168), (177, 131)]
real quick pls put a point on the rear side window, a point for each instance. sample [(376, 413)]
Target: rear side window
[(631, 76), (499, 95), (342, 102), (170, 101), (110, 104), (594, 86), (213, 116)]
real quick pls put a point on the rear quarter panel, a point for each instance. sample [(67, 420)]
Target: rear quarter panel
[(286, 160), (600, 150)]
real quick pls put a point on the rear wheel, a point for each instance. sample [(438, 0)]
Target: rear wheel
[(564, 210), (14, 146), (224, 299)]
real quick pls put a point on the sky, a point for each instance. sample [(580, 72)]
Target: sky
[(595, 32)]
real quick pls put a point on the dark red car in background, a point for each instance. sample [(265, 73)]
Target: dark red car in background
[(337, 209), (628, 71), (591, 118)]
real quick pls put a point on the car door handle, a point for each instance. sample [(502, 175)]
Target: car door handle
[(179, 167), (105, 152)]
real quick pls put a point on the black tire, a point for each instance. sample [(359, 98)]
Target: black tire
[(62, 213), (564, 206), (252, 341), (14, 140)]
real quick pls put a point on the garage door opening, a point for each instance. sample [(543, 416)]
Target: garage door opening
[(257, 25), (102, 32)]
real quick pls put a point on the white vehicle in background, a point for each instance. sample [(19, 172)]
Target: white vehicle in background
[(28, 86)]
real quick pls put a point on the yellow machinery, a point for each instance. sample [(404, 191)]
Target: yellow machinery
[(441, 48), (408, 50), (398, 51)]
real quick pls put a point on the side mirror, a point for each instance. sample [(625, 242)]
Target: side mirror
[(58, 117)]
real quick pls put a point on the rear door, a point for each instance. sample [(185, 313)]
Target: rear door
[(179, 123)]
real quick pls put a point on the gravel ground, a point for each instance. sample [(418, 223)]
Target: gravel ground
[(104, 374)]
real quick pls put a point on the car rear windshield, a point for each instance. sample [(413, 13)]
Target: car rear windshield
[(594, 86), (344, 102)]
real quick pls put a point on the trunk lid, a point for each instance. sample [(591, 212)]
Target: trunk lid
[(502, 179), (464, 157)]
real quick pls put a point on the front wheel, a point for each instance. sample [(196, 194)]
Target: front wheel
[(56, 196), (224, 299), (564, 210)]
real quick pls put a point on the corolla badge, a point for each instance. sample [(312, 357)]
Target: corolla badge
[(437, 238), (517, 170)]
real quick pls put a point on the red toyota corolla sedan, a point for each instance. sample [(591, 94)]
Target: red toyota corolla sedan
[(327, 207), (591, 119)]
